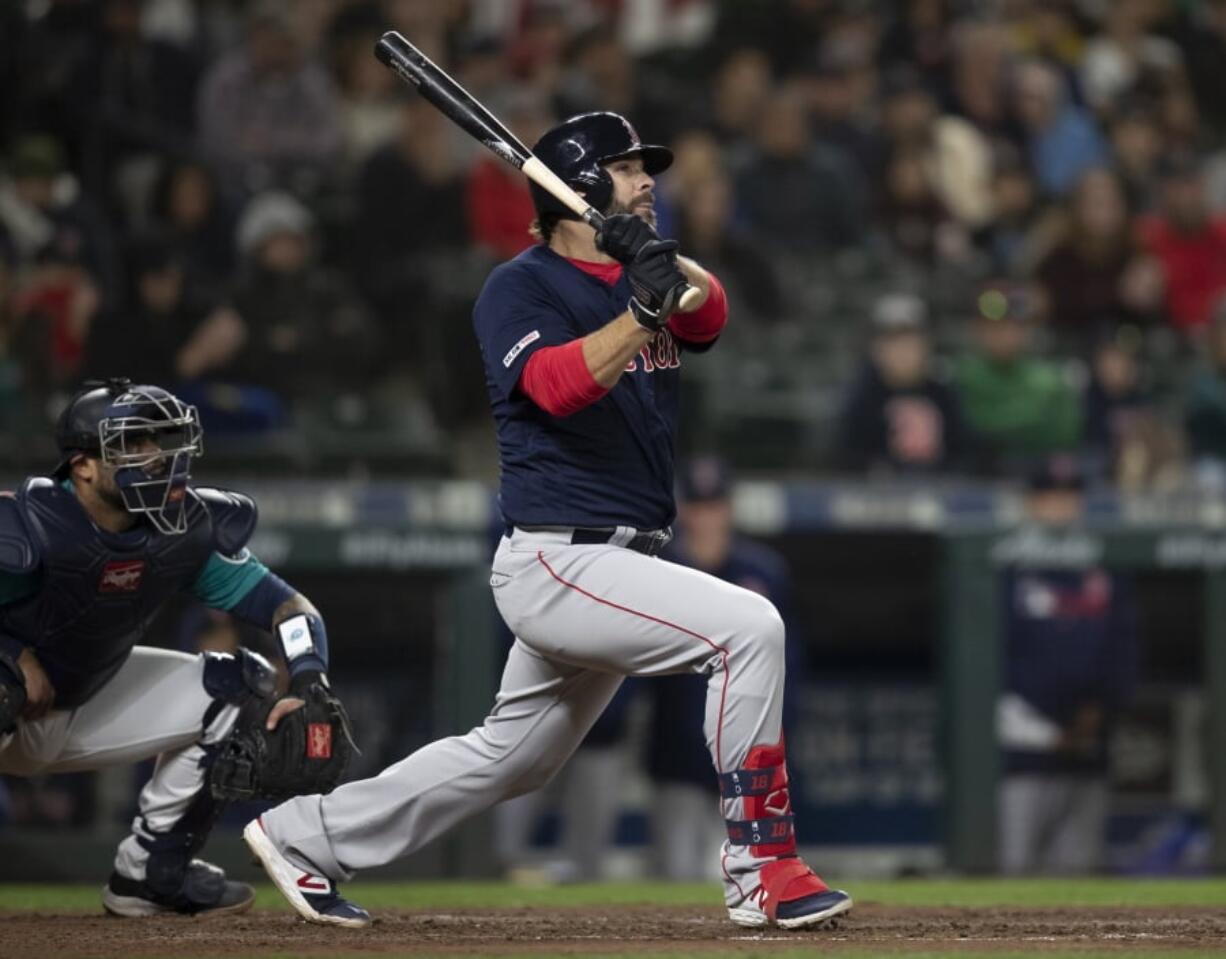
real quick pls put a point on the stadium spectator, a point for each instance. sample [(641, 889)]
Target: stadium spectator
[(369, 111), (1071, 657), (980, 75), (1204, 408), (1062, 139), (1136, 144), (600, 75), (410, 183), (795, 196), (45, 215), (137, 97), (497, 200), (188, 209), (1013, 238), (1016, 405), (1084, 276), (1201, 33), (163, 314), (955, 159), (268, 112), (706, 226), (922, 39), (1128, 54), (1127, 442), (741, 87), (899, 417), (1189, 243), (306, 336)]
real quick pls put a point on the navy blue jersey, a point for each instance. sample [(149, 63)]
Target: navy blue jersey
[(1070, 642), (611, 463), (82, 597)]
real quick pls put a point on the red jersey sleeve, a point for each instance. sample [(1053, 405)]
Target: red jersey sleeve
[(556, 379), (706, 322)]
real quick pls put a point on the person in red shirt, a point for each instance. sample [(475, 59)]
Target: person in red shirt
[(498, 204), (1189, 244)]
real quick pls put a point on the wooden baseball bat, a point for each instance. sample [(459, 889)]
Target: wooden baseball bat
[(459, 106)]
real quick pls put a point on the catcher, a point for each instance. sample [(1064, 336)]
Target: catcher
[(87, 558)]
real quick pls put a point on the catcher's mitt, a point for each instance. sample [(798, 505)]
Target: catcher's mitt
[(306, 753)]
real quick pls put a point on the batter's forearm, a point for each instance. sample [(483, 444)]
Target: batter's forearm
[(610, 349)]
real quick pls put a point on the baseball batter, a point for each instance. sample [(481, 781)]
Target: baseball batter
[(88, 556), (582, 351)]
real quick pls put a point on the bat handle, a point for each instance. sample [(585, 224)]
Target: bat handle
[(689, 299)]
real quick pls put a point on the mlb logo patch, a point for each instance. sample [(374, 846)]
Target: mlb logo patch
[(121, 576), (319, 741)]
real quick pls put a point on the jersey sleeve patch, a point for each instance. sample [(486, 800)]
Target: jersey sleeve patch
[(225, 580), (518, 348)]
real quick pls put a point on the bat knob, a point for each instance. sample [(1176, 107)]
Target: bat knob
[(689, 299)]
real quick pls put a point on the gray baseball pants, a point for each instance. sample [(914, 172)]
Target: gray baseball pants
[(154, 706), (584, 617)]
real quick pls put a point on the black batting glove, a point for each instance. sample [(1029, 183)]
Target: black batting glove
[(623, 235), (657, 283)]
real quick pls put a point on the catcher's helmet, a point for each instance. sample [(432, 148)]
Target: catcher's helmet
[(147, 434), (577, 150), (76, 431)]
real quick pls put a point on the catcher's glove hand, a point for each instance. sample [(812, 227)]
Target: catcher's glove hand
[(306, 753)]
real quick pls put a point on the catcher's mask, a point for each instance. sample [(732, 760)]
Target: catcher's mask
[(150, 437)]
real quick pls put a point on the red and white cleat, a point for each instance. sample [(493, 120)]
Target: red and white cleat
[(789, 895)]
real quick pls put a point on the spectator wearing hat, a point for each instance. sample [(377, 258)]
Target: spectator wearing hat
[(302, 333), (685, 815), (898, 416), (1016, 404), (1070, 652), (1188, 242)]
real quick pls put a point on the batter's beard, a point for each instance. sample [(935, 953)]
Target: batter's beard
[(640, 209)]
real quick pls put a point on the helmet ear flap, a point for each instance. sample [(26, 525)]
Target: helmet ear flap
[(596, 185)]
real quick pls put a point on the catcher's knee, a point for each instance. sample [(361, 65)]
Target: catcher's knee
[(238, 678)]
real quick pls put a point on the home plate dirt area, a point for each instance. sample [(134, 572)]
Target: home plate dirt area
[(625, 930)]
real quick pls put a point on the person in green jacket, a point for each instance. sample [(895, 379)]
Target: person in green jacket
[(1018, 405)]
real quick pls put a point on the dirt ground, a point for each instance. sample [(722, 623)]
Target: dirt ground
[(873, 929)]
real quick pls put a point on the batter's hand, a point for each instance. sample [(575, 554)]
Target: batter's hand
[(623, 235), (282, 708), (40, 694), (656, 282)]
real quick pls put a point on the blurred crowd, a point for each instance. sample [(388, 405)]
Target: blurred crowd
[(969, 233)]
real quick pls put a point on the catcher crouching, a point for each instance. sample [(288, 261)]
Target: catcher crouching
[(88, 556)]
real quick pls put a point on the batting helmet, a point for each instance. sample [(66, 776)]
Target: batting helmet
[(577, 151)]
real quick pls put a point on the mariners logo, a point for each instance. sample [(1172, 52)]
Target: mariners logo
[(121, 576)]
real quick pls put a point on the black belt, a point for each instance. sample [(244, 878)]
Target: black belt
[(649, 542)]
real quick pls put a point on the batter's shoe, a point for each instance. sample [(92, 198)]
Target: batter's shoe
[(314, 897), (790, 895), (205, 892)]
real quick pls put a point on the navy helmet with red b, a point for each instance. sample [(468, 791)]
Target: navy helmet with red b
[(578, 149)]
